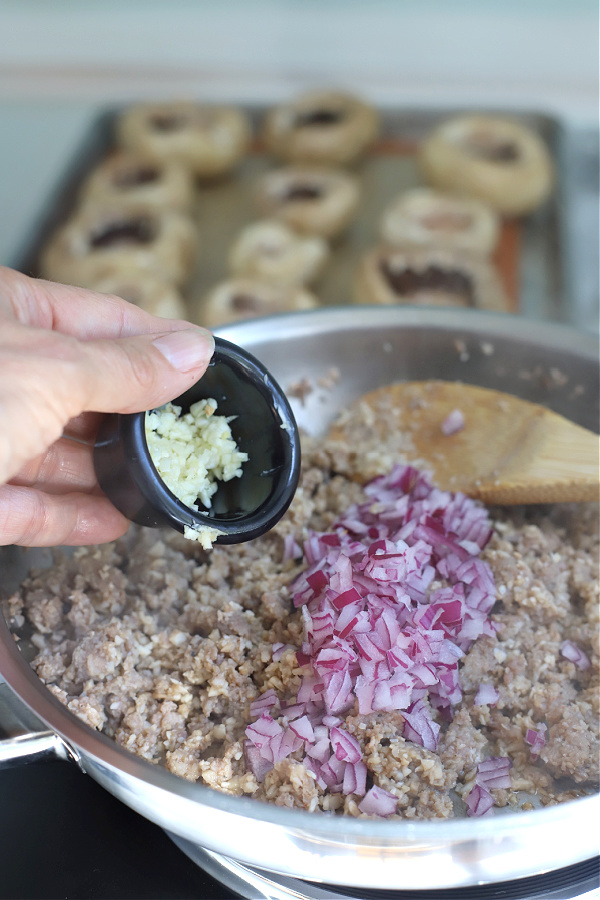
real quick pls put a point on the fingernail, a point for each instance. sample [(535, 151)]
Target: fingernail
[(186, 350)]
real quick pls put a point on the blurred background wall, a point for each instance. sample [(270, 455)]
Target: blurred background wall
[(516, 51), (61, 61)]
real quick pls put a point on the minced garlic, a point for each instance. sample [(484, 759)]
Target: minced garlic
[(193, 452)]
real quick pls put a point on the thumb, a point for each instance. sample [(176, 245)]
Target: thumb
[(138, 373), (49, 378)]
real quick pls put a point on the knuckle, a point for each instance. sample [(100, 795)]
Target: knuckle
[(35, 523), (142, 371), (23, 516)]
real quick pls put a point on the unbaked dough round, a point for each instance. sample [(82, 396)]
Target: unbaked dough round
[(329, 127), (103, 239), (497, 160), (131, 177), (423, 218), (210, 140), (243, 298), (429, 277), (311, 200), (146, 291), (270, 251)]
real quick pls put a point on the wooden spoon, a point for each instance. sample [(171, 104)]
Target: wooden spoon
[(507, 451)]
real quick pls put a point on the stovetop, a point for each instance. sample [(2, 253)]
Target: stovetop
[(63, 837)]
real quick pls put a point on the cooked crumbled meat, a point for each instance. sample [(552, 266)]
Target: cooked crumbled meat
[(461, 747), (300, 389), (379, 439), (164, 648), (413, 774), (290, 784), (330, 379), (573, 747)]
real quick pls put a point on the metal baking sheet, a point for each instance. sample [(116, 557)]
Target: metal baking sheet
[(529, 257)]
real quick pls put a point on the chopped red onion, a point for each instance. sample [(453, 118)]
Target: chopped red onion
[(258, 765), (351, 621), (329, 540), (270, 739), (331, 659), (419, 726), (363, 690), (341, 577), (397, 658), (318, 580), (264, 703), (331, 721), (377, 635), (369, 647), (332, 773), (279, 649), (291, 549), (319, 751), (387, 628), (302, 658), (378, 802), (355, 779), (536, 738), (424, 675), (263, 731), (575, 654), (295, 711), (303, 729), (338, 692), (341, 600), (487, 695), (493, 773), (284, 744), (312, 550), (310, 689), (454, 421), (479, 801), (345, 745), (382, 696)]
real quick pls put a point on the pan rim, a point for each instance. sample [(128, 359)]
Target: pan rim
[(106, 753)]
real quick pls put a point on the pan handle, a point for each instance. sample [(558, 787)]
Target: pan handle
[(23, 737)]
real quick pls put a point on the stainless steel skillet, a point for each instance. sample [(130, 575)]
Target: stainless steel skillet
[(369, 346)]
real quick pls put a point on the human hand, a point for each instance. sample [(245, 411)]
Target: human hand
[(66, 356)]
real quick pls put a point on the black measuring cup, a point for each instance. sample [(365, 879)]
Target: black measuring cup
[(264, 427)]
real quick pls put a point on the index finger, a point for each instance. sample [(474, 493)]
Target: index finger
[(71, 310), (83, 427)]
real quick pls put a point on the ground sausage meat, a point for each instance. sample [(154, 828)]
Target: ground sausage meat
[(164, 647)]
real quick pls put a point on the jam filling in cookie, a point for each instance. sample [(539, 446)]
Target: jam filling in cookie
[(244, 303), (168, 122), (135, 177), (486, 147), (119, 233), (409, 282), (302, 192), (319, 117), (447, 222)]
